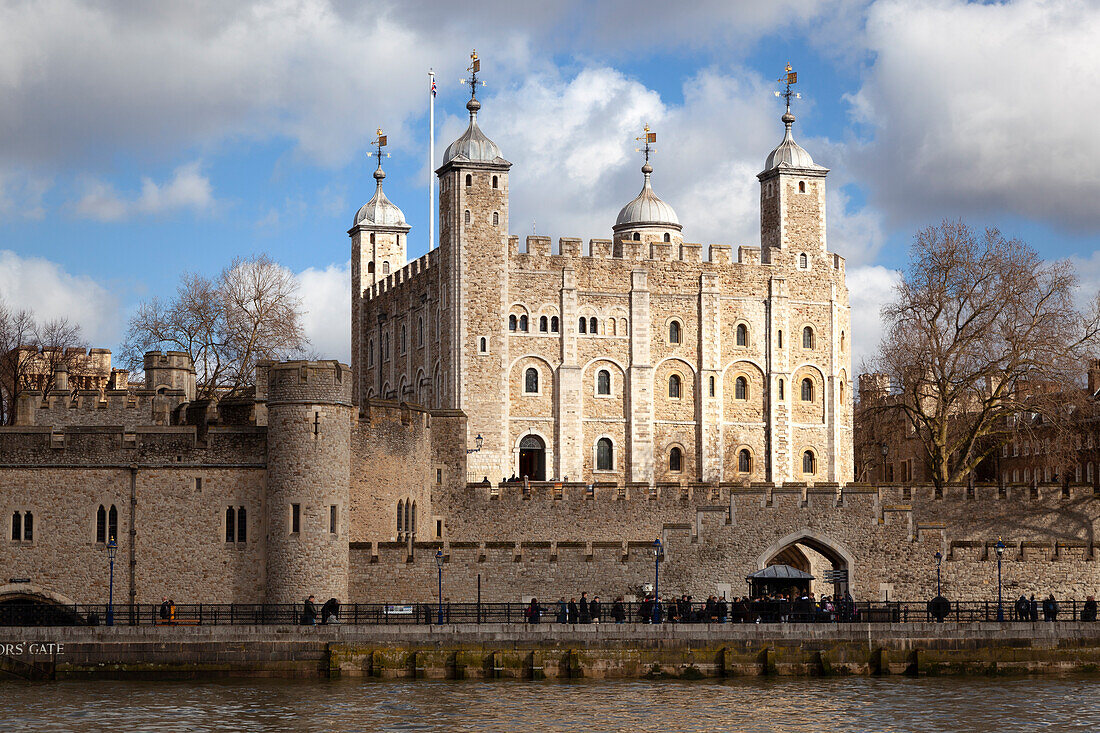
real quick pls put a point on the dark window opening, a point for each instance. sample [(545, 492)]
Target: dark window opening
[(295, 518)]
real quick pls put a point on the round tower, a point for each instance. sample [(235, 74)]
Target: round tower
[(308, 474)]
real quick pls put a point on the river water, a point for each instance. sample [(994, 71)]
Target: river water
[(804, 705)]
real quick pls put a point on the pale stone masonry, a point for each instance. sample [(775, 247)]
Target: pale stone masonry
[(466, 325)]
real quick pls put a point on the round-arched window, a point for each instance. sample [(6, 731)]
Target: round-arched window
[(674, 332), (605, 458), (742, 335), (744, 461), (809, 462), (674, 386), (741, 389), (675, 460), (807, 338), (807, 390), (531, 380), (603, 382)]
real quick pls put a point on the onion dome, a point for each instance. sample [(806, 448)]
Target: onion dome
[(647, 209), (473, 146), (380, 211), (789, 154)]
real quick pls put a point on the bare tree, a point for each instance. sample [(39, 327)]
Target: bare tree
[(251, 311), (30, 354), (984, 341)]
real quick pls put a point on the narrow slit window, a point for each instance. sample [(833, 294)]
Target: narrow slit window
[(295, 518)]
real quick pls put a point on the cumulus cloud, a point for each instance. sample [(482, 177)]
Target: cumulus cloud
[(187, 189), (44, 287), (326, 296), (869, 288), (983, 108)]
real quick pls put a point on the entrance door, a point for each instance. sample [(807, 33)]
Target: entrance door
[(532, 458)]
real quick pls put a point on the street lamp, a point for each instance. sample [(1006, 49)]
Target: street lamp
[(885, 452), (656, 579), (439, 565), (112, 550), (1000, 548), (939, 560)]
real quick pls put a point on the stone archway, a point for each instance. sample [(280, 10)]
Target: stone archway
[(832, 564), (26, 604)]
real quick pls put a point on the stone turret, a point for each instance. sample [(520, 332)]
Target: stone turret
[(170, 370), (309, 413)]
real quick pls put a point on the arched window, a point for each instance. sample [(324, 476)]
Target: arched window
[(675, 460), (16, 526), (242, 525), (112, 524), (781, 338), (622, 327), (370, 267), (484, 346), (802, 187), (674, 332), (400, 517), (420, 331), (609, 329), (412, 525), (744, 461), (807, 338), (742, 334), (403, 338), (542, 324), (531, 381), (512, 323), (494, 181), (385, 268), (667, 237), (28, 526), (603, 382), (466, 217), (553, 324), (592, 325), (469, 179), (408, 517), (803, 261), (637, 237), (101, 525), (842, 392), (741, 389), (582, 325), (523, 323), (372, 238), (712, 386), (1088, 472), (230, 525), (496, 218), (842, 342), (605, 459), (809, 463), (674, 386), (780, 389), (807, 390)]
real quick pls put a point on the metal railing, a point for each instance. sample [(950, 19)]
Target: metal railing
[(224, 614)]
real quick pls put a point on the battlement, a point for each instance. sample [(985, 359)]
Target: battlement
[(309, 381), (61, 408), (409, 273), (84, 445), (607, 249)]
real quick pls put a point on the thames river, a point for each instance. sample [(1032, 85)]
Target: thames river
[(805, 705)]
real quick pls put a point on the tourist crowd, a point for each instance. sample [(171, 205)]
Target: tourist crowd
[(685, 609)]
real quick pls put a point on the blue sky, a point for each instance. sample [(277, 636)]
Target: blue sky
[(139, 142)]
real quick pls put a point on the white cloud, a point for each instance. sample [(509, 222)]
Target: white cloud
[(869, 288), (21, 195), (983, 108), (326, 296), (187, 189), (43, 287)]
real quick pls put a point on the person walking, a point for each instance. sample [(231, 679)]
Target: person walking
[(1088, 613), (1022, 608), (618, 611), (534, 613), (594, 609), (586, 615), (309, 612), (563, 611), (574, 613), (1050, 608), (1034, 608), (165, 610)]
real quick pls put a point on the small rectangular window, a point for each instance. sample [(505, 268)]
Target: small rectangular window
[(242, 525), (198, 483), (295, 518), (439, 528), (439, 475), (332, 519)]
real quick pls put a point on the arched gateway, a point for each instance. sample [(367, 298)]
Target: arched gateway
[(830, 562)]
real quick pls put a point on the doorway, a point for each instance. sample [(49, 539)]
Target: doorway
[(532, 458)]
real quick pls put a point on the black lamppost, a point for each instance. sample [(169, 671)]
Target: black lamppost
[(656, 579), (885, 452), (439, 565), (939, 560), (1000, 548), (112, 549)]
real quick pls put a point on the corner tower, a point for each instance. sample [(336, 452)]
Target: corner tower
[(792, 195), (379, 238), (473, 243)]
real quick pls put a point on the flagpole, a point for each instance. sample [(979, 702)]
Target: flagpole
[(431, 161)]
